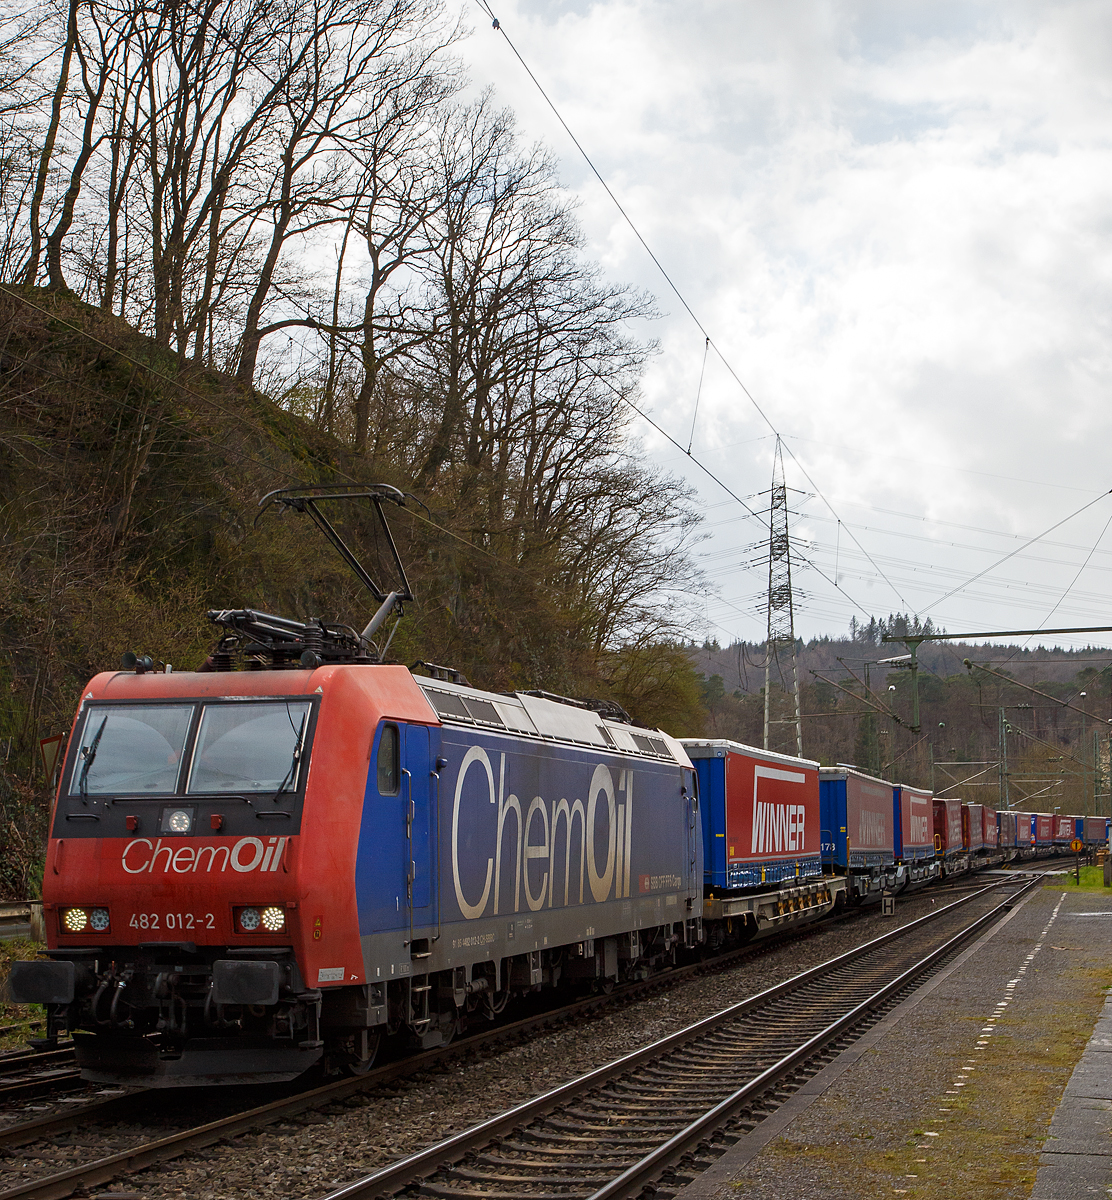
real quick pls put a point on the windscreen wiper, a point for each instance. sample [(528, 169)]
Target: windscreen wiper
[(88, 754), (297, 750)]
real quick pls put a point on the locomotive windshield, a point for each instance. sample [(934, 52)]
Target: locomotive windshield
[(149, 749), (137, 748), (249, 748)]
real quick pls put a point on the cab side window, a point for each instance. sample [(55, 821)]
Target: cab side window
[(388, 763)]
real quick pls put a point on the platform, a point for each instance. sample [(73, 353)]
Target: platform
[(993, 1079)]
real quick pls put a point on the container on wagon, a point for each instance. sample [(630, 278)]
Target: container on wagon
[(913, 812), (856, 813), (1065, 829), (1025, 830), (858, 831), (1044, 829), (947, 826), (990, 831), (914, 823), (1095, 830), (1006, 826), (972, 828), (759, 812)]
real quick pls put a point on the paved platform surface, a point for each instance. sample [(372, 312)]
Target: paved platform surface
[(1076, 1159), (955, 1090)]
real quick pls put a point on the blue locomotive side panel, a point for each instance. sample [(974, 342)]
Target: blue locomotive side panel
[(503, 827), (527, 827)]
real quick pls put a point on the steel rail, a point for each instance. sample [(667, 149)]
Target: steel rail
[(62, 1184), (62, 1056), (634, 1178), (396, 1176), (32, 1088), (117, 1108)]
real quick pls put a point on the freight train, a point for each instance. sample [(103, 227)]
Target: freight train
[(253, 872)]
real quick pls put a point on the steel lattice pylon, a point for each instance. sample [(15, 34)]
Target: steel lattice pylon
[(780, 643)]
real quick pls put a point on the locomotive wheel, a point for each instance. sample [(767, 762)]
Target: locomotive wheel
[(360, 1066)]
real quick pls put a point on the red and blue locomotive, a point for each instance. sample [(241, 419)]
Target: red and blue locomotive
[(254, 870), (251, 870)]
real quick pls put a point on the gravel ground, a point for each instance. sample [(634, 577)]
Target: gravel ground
[(308, 1155), (930, 1112)]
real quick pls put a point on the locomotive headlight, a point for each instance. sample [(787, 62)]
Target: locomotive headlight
[(176, 820), (273, 919), (75, 920), (249, 919), (98, 919)]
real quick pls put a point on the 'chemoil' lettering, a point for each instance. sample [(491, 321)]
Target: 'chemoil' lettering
[(531, 838), (248, 854)]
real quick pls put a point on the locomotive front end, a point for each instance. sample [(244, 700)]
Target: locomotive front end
[(177, 926)]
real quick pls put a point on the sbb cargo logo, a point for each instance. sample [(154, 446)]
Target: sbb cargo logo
[(248, 854)]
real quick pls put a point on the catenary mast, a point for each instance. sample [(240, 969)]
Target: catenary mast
[(780, 642)]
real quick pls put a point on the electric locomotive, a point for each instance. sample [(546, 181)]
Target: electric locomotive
[(254, 871)]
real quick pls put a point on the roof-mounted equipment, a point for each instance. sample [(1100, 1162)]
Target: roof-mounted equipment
[(265, 641)]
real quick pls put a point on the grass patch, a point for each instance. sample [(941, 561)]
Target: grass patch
[(938, 1141), (18, 1022), (1092, 880)]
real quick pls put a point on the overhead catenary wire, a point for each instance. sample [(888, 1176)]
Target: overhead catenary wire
[(1069, 588), (1017, 550), (725, 487), (708, 340), (698, 394)]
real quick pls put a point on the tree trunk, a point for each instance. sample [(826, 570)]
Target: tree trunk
[(31, 270)]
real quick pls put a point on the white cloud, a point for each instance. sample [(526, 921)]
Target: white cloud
[(894, 220)]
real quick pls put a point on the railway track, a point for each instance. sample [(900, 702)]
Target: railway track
[(616, 1130), (29, 1075), (137, 1108), (129, 1117)]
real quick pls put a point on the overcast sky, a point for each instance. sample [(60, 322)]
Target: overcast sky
[(893, 219)]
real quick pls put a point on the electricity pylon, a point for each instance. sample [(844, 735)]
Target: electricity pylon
[(780, 643)]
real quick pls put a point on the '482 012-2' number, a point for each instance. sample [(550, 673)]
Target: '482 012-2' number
[(172, 921)]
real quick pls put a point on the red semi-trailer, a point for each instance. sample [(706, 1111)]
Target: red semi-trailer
[(1025, 834), (760, 814), (1096, 830), (914, 814), (947, 835), (858, 825), (972, 828), (990, 831)]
